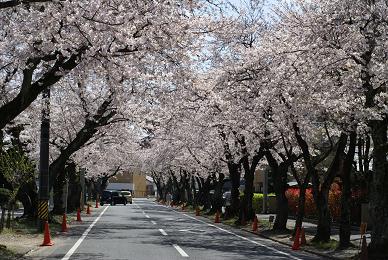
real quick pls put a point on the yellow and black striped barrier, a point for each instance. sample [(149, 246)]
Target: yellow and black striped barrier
[(43, 209)]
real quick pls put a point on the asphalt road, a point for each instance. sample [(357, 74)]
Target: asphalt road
[(147, 231)]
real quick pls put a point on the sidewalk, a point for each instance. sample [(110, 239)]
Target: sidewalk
[(75, 230), (24, 240), (310, 230), (327, 251)]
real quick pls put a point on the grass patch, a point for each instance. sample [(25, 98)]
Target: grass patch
[(22, 226), (331, 245), (230, 221), (8, 254), (265, 224)]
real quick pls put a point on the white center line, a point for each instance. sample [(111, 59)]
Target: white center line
[(147, 216), (153, 222), (78, 243), (180, 250), (163, 232)]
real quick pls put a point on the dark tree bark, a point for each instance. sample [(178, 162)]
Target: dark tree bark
[(279, 173), (28, 196), (159, 185), (321, 190), (301, 204), (321, 193), (378, 199), (59, 206), (194, 191), (177, 190), (217, 200), (345, 224), (249, 174), (205, 192), (234, 175), (189, 190)]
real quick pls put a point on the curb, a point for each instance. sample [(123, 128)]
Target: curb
[(284, 243)]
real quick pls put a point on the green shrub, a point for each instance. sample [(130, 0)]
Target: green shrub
[(257, 201)]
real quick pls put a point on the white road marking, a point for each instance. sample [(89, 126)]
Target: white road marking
[(78, 243), (180, 250), (163, 232), (147, 216), (153, 222), (244, 238)]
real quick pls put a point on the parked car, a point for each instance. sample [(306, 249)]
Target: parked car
[(128, 195), (113, 198)]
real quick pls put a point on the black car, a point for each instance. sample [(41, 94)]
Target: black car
[(113, 198)]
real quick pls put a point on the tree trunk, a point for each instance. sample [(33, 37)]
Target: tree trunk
[(217, 200), (345, 225), (28, 196), (280, 187), (194, 191), (279, 173), (74, 192), (235, 175), (281, 211), (324, 218), (247, 208), (301, 205), (321, 192), (8, 224), (378, 201), (2, 220), (205, 195), (59, 204)]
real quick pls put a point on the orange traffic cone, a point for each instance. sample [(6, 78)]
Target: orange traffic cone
[(255, 224), (364, 249), (296, 245), (47, 239), (79, 215), (88, 210), (64, 223), (197, 211), (97, 203), (217, 218), (302, 237)]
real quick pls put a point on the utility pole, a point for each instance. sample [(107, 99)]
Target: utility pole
[(44, 160)]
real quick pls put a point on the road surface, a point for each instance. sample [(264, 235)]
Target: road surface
[(146, 231)]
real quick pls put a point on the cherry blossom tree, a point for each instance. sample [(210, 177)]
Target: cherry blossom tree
[(42, 41)]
